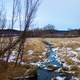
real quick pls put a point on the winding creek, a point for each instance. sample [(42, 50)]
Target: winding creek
[(44, 73)]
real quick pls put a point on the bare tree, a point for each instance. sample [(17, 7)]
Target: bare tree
[(30, 10), (31, 7), (19, 7), (16, 10), (49, 27), (2, 26)]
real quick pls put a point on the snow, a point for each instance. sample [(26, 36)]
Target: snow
[(69, 49), (55, 49), (30, 52), (60, 78), (12, 58), (43, 53), (76, 60), (65, 65), (74, 78), (78, 49)]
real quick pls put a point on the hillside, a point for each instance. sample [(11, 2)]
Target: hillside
[(41, 33)]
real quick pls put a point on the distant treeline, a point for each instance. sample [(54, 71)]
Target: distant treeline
[(41, 33)]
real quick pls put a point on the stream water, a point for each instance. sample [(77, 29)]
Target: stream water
[(44, 73)]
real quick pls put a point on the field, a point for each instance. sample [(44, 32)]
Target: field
[(68, 50), (36, 44)]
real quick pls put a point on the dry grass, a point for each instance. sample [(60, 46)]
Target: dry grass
[(34, 44), (13, 71), (37, 46), (7, 71), (65, 42), (32, 58)]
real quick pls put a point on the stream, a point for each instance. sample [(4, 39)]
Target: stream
[(44, 73), (49, 68)]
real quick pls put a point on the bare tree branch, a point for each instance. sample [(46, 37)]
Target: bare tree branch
[(29, 15)]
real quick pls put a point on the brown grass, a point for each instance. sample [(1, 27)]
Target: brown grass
[(37, 46), (10, 70), (34, 44)]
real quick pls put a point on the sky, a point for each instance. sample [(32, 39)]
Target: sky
[(63, 14)]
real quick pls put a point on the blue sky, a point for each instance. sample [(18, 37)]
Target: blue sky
[(63, 14)]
